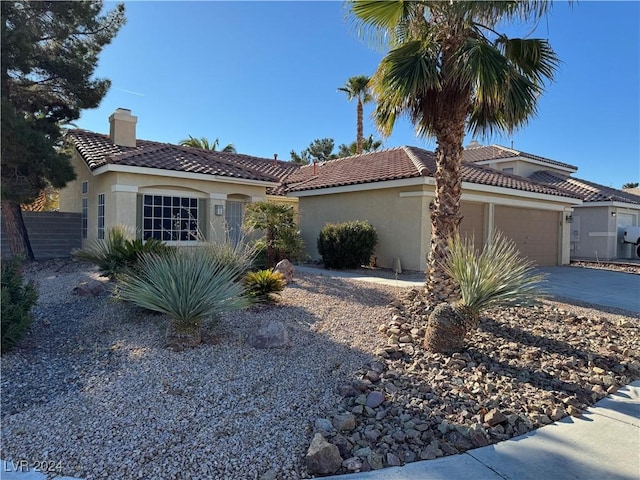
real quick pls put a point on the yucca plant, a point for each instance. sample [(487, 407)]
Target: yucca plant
[(188, 285), (494, 277), (263, 284)]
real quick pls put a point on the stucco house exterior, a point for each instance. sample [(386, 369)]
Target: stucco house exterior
[(393, 190), (161, 190), (596, 225)]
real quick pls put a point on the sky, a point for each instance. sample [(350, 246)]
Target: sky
[(264, 77)]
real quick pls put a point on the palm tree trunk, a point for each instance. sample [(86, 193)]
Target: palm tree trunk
[(359, 133), (16, 231)]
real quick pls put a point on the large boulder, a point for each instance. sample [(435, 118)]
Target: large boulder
[(322, 458), (285, 267), (270, 335)]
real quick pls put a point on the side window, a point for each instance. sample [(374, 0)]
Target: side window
[(85, 216), (85, 187), (101, 216)]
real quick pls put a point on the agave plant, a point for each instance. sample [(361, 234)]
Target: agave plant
[(497, 276), (188, 285)]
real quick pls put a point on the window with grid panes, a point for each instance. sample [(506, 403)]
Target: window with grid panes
[(101, 215), (169, 218)]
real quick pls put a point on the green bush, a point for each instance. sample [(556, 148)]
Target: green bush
[(187, 284), (263, 284), (117, 252), (17, 300), (347, 245)]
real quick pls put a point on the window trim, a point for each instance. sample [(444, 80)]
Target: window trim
[(85, 187)]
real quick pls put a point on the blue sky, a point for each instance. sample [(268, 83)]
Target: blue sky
[(264, 76)]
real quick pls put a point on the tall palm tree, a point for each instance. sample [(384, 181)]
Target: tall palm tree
[(449, 70), (206, 145), (358, 88)]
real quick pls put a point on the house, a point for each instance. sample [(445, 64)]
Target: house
[(164, 191), (393, 190), (597, 224)]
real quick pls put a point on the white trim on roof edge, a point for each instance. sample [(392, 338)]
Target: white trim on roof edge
[(177, 174), (524, 159), (519, 193), (632, 206)]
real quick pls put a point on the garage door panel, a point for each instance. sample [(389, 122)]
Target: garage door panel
[(473, 222), (535, 232)]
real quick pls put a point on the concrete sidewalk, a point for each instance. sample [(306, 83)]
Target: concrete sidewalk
[(603, 444)]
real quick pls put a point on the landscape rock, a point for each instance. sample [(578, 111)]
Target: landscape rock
[(270, 335), (322, 458), (92, 288), (344, 422), (374, 399), (285, 267)]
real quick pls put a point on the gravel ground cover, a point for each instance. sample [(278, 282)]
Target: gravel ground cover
[(94, 388)]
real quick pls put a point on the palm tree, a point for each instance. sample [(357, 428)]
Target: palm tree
[(449, 70), (206, 145), (358, 87), (368, 145)]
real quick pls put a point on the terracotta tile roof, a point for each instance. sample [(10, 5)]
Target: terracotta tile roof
[(98, 150), (493, 152), (587, 191), (399, 163)]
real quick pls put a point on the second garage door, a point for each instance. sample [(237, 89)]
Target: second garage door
[(535, 232)]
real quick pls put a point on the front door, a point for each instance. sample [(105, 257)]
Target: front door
[(233, 218)]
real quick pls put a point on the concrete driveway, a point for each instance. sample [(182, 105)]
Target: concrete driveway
[(602, 287)]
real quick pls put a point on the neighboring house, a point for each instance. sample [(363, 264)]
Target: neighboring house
[(164, 191), (393, 189), (597, 224)]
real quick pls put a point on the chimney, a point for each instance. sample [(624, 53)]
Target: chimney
[(122, 127)]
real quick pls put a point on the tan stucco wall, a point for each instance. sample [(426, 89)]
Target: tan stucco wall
[(595, 233), (122, 189), (523, 168), (400, 222)]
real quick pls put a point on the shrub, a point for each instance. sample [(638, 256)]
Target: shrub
[(262, 284), (117, 252), (187, 284), (347, 245), (17, 300)]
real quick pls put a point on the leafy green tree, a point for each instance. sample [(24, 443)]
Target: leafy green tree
[(320, 150), (358, 88), (630, 185), (447, 70), (368, 145), (49, 54), (206, 145)]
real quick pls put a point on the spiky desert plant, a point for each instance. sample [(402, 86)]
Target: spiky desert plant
[(263, 284), (188, 285), (119, 251), (497, 276)]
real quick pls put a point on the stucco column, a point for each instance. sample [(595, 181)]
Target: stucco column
[(565, 237), (121, 207), (489, 224)]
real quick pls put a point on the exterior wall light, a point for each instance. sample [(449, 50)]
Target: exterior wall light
[(569, 218), (218, 209), (613, 214)]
